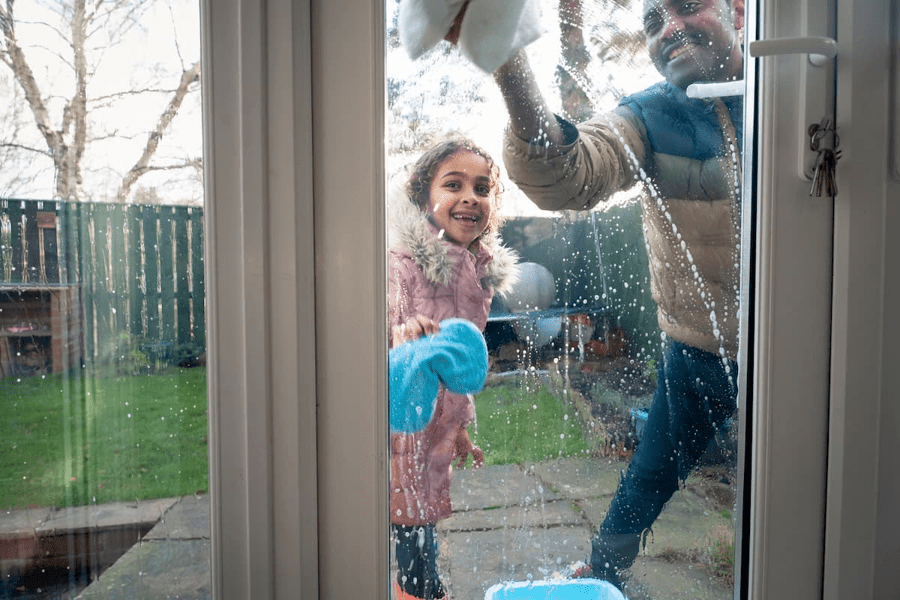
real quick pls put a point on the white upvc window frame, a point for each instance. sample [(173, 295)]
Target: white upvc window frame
[(293, 102)]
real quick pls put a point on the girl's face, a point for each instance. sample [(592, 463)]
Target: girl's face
[(462, 197)]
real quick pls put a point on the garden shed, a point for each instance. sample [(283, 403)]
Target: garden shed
[(41, 328)]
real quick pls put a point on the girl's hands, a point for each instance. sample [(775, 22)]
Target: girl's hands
[(464, 447), (413, 329)]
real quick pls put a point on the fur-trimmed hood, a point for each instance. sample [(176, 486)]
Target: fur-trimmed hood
[(412, 232)]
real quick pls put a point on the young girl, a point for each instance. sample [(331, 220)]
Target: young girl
[(448, 261)]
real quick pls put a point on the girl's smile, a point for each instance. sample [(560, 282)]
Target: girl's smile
[(461, 197)]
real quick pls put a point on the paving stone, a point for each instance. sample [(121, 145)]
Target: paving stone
[(685, 523), (654, 579), (188, 519), (104, 515), (479, 559), (503, 485), (15, 524), (157, 570), (547, 514), (594, 509), (581, 477)]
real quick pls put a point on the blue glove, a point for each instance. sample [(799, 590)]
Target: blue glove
[(456, 356)]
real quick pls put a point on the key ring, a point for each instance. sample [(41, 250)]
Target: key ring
[(817, 131)]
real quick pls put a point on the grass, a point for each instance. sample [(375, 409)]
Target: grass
[(72, 441), (104, 438), (521, 424)]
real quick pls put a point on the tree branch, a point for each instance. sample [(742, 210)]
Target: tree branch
[(77, 108), (22, 72), (191, 162), (165, 119), (124, 93), (26, 148)]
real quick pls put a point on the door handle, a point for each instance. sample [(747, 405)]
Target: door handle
[(819, 49), (816, 86)]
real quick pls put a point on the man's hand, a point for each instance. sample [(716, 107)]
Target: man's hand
[(413, 329), (453, 35), (464, 447), (529, 116)]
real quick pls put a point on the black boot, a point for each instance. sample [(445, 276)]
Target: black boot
[(611, 554)]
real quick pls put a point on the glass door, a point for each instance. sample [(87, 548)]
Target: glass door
[(612, 420)]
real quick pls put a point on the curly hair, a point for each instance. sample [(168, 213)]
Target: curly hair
[(418, 186)]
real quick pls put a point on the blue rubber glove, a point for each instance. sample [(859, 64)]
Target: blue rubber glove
[(456, 356)]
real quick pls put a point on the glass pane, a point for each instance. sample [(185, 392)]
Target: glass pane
[(104, 466), (607, 418)]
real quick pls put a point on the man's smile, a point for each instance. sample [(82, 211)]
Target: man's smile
[(679, 50)]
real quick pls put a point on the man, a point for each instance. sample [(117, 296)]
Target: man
[(687, 153)]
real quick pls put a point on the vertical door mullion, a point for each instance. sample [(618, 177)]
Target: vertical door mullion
[(789, 360)]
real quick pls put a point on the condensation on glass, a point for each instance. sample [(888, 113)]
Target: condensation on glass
[(633, 298), (104, 461)]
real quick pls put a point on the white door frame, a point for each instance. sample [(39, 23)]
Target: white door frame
[(293, 99)]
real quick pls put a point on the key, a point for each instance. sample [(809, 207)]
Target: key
[(826, 159)]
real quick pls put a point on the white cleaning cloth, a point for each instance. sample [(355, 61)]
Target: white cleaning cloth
[(492, 30)]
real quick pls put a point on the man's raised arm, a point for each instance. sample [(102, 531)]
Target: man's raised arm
[(530, 117)]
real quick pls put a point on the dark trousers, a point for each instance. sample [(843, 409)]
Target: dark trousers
[(695, 396), (416, 549)]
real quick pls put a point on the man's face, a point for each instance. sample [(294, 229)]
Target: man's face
[(695, 40)]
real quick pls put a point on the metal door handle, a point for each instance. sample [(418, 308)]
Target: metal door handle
[(819, 49)]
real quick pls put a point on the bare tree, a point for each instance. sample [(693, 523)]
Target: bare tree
[(572, 70), (76, 36), (598, 39)]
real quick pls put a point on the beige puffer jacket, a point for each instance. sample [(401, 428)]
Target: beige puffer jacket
[(690, 213)]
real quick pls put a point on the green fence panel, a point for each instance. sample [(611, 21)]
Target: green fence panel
[(102, 284), (31, 271), (198, 294), (86, 264), (135, 272), (66, 235), (14, 211), (182, 278), (48, 222), (150, 221), (119, 268), (166, 276)]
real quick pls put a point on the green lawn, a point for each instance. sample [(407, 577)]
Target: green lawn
[(518, 424), (82, 440)]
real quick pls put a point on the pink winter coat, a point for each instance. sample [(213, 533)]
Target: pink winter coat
[(438, 279)]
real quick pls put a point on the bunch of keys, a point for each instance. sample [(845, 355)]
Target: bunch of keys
[(826, 159)]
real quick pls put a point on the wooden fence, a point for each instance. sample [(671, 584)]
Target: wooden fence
[(139, 268)]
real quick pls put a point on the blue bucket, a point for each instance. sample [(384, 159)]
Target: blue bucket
[(639, 419), (566, 589)]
